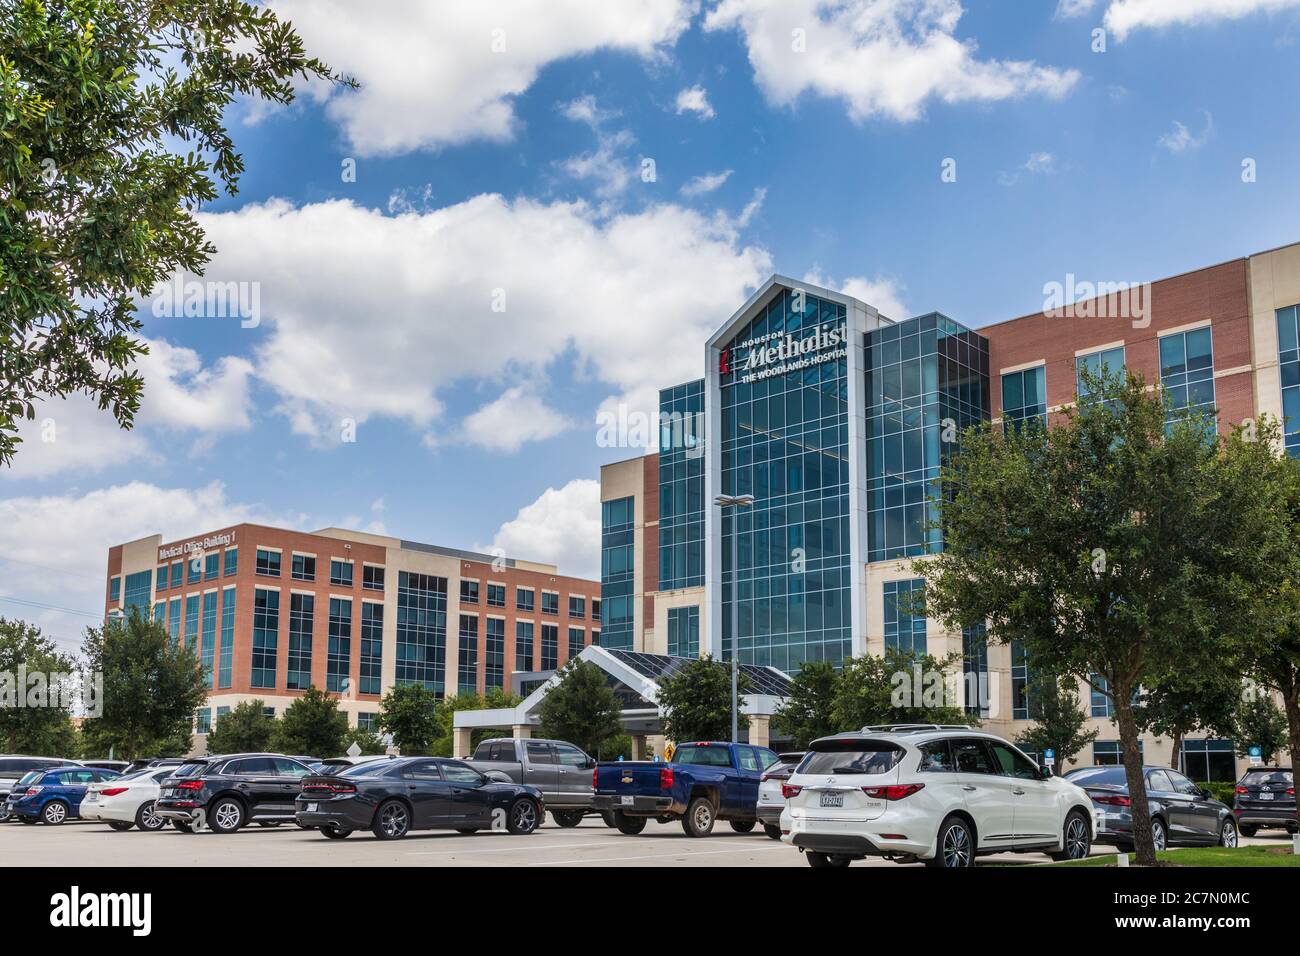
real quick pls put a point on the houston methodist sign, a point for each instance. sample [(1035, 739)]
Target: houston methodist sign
[(767, 358)]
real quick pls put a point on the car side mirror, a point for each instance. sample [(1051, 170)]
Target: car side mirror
[(1206, 794), (590, 764), (1045, 772)]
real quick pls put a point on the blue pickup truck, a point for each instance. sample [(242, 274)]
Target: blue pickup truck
[(703, 783)]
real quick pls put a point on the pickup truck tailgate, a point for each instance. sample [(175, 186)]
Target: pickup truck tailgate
[(629, 777)]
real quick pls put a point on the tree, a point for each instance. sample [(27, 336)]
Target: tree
[(99, 206), (312, 724), (151, 687), (582, 708), (696, 701), (245, 728), (806, 713), (1059, 720), (1106, 544), (896, 688), (31, 662), (445, 715), (1186, 701), (371, 743), (408, 713), (1261, 723)]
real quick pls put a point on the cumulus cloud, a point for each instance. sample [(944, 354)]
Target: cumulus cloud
[(881, 57), (436, 74), (562, 527), (1069, 9), (700, 185), (1038, 164), (1125, 16), (695, 99), (516, 417), (608, 166), (884, 294), (1180, 139)]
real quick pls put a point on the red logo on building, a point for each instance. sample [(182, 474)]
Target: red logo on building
[(724, 362)]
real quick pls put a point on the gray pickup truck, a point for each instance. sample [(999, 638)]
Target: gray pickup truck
[(559, 769)]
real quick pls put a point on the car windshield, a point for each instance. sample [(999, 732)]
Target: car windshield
[(371, 768), (133, 775), (190, 770), (701, 755), (1258, 778), (29, 777), (851, 756), (1097, 777)]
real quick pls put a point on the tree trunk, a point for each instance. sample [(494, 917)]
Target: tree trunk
[(1134, 776), (1174, 762), (1291, 702)]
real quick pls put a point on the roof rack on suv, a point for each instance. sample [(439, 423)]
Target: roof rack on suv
[(911, 728)]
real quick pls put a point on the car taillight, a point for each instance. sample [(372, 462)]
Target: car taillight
[(190, 785), (112, 791), (1243, 790), (33, 791), (595, 784), (1113, 800), (894, 791), (789, 790), (665, 778), (1290, 791), (330, 787)]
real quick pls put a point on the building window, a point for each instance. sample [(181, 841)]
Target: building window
[(368, 721), (467, 665), (174, 620), (905, 626), (595, 638), (303, 568), (266, 635), (975, 669), (496, 595), (550, 647), (468, 592), (1022, 704), (494, 668), (1206, 760), (208, 642), (577, 641), (524, 599), (684, 631), (421, 630), (1024, 398), (114, 590), (195, 572), (211, 566), (618, 570), (268, 563), (681, 486), (192, 621), (232, 561), (160, 613), (339, 660), (523, 646), (203, 720), (372, 577), (302, 620), (226, 657), (162, 577), (138, 590), (1107, 753), (595, 609), (341, 573), (577, 606), (1107, 362), (372, 646), (1187, 374), (1100, 704), (178, 573), (1288, 360), (550, 602)]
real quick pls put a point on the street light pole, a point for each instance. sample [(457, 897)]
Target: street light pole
[(737, 502)]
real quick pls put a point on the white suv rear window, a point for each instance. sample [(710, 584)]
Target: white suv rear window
[(852, 756)]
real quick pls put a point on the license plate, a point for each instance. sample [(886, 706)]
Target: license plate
[(627, 801), (1266, 796), (169, 793), (832, 800), (311, 808), (91, 797)]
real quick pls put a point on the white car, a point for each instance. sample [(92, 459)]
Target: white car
[(127, 801), (939, 794), (771, 801)]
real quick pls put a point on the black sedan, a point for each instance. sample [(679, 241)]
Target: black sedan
[(1182, 814), (1265, 798), (393, 797)]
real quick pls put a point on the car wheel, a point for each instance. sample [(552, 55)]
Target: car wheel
[(1228, 834), (1158, 835), (699, 818), (827, 860), (772, 831), (5, 812), (608, 817), (743, 826), (1248, 831), (956, 845), (335, 833), (182, 827), (55, 812), (523, 817), (392, 820), (226, 815), (147, 819), (566, 818), (630, 826), (1076, 838), (121, 826)]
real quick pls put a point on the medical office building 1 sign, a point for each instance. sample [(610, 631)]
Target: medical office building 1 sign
[(777, 353)]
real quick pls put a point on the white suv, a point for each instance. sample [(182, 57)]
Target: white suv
[(939, 794)]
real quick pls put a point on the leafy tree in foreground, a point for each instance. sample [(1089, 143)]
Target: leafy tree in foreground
[(1107, 545), (311, 725), (1059, 720), (582, 708), (370, 743), (697, 701), (1260, 723), (407, 712), (151, 687), (33, 730), (445, 716), (244, 729), (806, 713), (97, 205), (1187, 701), (896, 688)]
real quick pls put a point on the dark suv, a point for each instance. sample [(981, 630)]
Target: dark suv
[(1265, 798), (227, 792)]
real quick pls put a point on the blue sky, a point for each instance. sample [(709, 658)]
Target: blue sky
[(515, 175)]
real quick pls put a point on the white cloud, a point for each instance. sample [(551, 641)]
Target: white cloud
[(516, 417), (695, 99), (367, 314), (180, 392), (1069, 9), (435, 74), (1125, 16), (1038, 164), (608, 165), (884, 294), (706, 183), (562, 527), (72, 435), (882, 57), (1180, 139)]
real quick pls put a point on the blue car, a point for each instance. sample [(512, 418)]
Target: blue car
[(53, 796)]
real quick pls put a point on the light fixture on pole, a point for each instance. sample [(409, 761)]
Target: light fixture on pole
[(735, 501)]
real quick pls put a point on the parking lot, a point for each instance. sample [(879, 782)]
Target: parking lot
[(86, 844)]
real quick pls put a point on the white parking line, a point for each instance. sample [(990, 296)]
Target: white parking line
[(659, 856), (516, 847)]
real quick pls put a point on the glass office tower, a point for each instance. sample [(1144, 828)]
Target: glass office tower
[(681, 486)]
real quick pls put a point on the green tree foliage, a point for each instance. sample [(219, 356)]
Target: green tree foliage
[(312, 725), (409, 713), (1188, 701), (97, 204), (806, 713), (896, 688), (26, 654), (371, 743), (1059, 720), (244, 729), (1261, 723), (582, 708), (445, 714), (697, 700), (151, 687), (1107, 544)]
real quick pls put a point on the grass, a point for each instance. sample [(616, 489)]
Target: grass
[(1209, 856)]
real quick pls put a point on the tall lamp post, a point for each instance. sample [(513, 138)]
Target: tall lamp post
[(737, 502)]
